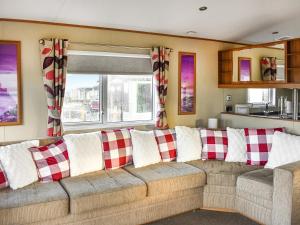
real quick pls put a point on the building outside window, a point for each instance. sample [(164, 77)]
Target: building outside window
[(96, 98)]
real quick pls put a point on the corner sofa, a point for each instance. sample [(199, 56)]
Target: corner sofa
[(131, 195)]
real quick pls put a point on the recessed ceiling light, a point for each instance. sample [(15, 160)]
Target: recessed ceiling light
[(191, 32), (203, 8)]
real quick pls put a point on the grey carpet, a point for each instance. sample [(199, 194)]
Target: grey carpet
[(206, 217)]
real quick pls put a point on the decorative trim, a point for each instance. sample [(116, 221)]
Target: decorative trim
[(116, 29)]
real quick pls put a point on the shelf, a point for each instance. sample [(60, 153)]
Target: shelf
[(293, 54), (293, 68), (270, 84)]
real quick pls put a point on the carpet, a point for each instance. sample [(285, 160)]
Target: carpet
[(206, 217)]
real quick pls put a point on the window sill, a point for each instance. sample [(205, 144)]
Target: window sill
[(83, 127)]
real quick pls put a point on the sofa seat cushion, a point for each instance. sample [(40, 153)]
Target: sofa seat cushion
[(167, 177), (103, 189), (221, 172), (33, 203), (259, 182), (256, 186)]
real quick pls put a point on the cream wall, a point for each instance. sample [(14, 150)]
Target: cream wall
[(209, 97), (255, 54)]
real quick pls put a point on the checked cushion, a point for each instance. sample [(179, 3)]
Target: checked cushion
[(52, 161), (117, 148), (259, 143)]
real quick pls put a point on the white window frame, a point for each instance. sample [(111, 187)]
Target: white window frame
[(103, 123), (271, 100)]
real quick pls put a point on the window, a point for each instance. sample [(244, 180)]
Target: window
[(262, 96), (108, 87), (104, 98)]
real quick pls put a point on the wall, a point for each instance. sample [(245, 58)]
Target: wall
[(209, 97), (255, 122), (255, 54), (239, 96)]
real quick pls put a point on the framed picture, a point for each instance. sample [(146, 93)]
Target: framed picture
[(10, 83), (187, 83), (244, 69)]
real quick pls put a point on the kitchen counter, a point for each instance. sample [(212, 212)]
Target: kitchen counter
[(290, 117)]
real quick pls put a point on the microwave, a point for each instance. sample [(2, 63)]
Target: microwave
[(242, 108)]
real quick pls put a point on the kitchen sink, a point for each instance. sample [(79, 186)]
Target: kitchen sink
[(270, 113)]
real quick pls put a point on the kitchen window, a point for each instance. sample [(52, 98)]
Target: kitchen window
[(94, 97), (261, 96)]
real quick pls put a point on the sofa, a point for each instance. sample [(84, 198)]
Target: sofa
[(130, 195)]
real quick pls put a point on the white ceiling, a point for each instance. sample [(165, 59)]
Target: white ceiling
[(232, 20)]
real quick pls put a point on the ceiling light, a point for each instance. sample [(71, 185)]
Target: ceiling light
[(203, 8), (282, 38), (191, 32)]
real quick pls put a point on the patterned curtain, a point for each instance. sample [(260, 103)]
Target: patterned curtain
[(268, 68), (160, 65), (54, 66)]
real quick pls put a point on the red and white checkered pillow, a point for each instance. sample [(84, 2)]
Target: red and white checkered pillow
[(215, 144), (259, 143), (166, 141), (117, 148), (52, 161), (3, 178)]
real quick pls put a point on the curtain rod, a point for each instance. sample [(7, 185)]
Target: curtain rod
[(107, 45)]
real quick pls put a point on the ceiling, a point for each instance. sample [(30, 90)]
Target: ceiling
[(249, 21)]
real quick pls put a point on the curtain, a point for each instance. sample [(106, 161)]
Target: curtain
[(54, 66), (160, 65), (268, 68)]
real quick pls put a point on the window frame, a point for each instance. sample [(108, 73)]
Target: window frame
[(272, 99), (103, 93)]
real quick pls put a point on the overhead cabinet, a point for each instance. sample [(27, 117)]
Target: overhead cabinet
[(271, 65)]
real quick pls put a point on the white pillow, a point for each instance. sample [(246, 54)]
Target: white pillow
[(144, 148), (189, 145), (18, 164), (285, 150), (237, 147), (85, 153)]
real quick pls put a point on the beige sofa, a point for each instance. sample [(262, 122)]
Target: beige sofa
[(139, 195)]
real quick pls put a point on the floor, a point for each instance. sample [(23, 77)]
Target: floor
[(206, 217)]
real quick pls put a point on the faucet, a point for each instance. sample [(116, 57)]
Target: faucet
[(266, 111)]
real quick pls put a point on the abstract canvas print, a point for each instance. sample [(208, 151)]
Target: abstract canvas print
[(10, 93), (244, 69), (187, 83)]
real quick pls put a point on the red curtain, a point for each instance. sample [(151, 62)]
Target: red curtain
[(160, 65), (54, 66)]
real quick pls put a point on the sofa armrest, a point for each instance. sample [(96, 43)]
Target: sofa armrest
[(286, 195)]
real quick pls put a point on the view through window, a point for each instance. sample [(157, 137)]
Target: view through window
[(262, 96), (98, 98)]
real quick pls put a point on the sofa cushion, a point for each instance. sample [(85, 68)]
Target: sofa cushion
[(259, 143), (117, 148), (215, 144), (166, 141), (3, 178), (52, 161), (221, 172), (33, 203), (144, 148), (169, 177), (103, 189), (258, 183)]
